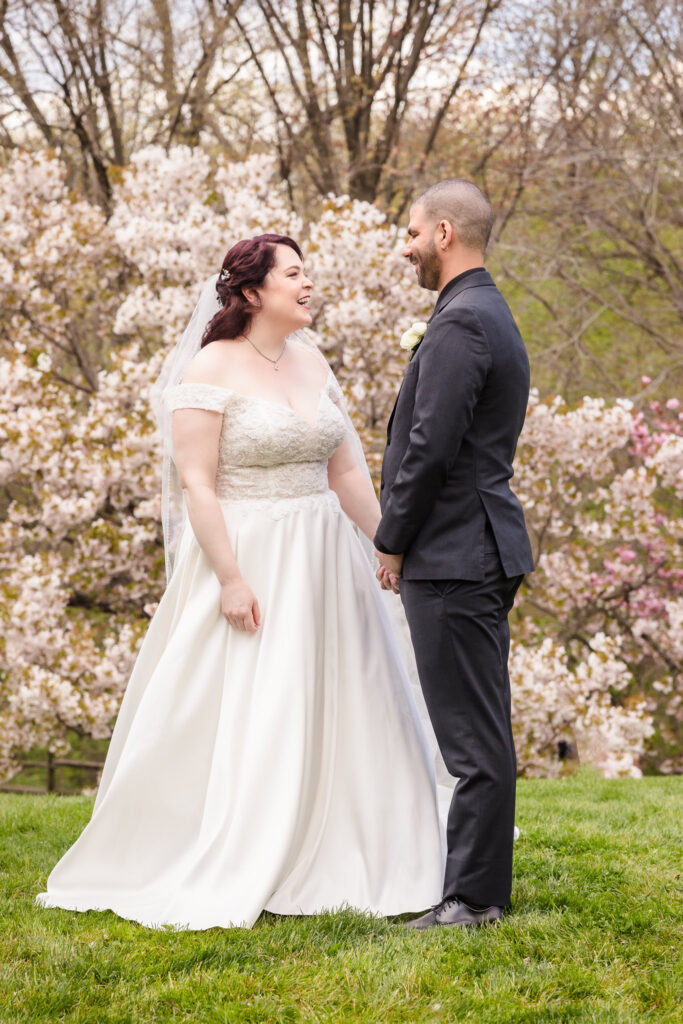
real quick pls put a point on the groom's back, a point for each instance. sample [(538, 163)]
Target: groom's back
[(501, 406)]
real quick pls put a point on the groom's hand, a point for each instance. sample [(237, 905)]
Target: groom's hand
[(390, 567), (393, 563)]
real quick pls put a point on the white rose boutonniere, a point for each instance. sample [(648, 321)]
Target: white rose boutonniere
[(413, 336)]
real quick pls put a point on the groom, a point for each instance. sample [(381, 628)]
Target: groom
[(453, 534)]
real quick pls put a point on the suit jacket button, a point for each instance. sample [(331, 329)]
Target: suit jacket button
[(381, 486)]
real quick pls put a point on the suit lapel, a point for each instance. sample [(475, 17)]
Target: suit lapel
[(393, 413)]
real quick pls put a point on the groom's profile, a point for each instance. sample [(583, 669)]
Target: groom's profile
[(453, 532)]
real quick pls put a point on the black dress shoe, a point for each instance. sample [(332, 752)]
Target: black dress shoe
[(452, 913)]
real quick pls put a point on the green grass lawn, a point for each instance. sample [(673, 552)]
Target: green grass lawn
[(594, 933)]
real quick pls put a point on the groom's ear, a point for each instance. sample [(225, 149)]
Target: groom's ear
[(445, 235)]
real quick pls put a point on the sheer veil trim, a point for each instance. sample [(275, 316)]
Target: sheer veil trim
[(173, 510)]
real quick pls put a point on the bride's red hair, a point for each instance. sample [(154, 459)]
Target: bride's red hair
[(245, 266)]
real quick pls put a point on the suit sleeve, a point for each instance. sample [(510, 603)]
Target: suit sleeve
[(454, 362)]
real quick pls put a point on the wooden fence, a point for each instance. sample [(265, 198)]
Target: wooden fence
[(50, 766)]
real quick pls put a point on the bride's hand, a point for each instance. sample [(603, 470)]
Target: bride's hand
[(239, 606)]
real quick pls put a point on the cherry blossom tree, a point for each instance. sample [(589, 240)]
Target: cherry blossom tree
[(89, 307), (601, 487)]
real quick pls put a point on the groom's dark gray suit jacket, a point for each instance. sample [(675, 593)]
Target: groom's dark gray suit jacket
[(452, 437)]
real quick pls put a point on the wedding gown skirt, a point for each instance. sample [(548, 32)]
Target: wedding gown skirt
[(284, 770)]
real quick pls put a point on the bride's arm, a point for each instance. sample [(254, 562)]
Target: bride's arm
[(196, 435), (355, 491)]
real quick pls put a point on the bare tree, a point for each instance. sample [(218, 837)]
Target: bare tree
[(580, 147), (618, 204), (568, 112), (342, 75), (99, 79)]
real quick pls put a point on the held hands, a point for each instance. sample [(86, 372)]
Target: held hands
[(239, 606), (387, 580), (389, 570)]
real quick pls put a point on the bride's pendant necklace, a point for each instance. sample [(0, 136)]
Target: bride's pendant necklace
[(273, 361)]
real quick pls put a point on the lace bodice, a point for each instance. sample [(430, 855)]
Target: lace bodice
[(268, 452)]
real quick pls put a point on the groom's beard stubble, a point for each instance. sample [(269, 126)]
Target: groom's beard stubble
[(428, 268)]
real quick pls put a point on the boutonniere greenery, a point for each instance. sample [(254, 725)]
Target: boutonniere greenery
[(411, 338)]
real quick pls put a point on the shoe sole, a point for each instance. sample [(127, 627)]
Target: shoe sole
[(469, 924)]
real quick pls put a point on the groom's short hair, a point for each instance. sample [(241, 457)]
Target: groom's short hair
[(465, 206)]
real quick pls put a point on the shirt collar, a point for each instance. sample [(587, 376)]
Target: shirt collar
[(448, 288)]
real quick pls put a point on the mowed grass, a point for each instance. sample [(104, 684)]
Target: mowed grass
[(594, 933)]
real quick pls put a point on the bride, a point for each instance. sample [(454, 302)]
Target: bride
[(268, 754)]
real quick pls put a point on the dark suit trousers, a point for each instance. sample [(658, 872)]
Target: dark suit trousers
[(461, 638)]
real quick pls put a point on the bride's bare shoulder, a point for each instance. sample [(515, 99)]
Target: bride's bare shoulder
[(212, 364)]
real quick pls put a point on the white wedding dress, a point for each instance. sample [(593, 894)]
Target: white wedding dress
[(284, 770)]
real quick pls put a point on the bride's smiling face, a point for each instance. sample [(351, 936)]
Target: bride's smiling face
[(286, 291)]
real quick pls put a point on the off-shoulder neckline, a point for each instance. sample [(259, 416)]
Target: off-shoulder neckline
[(262, 399)]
